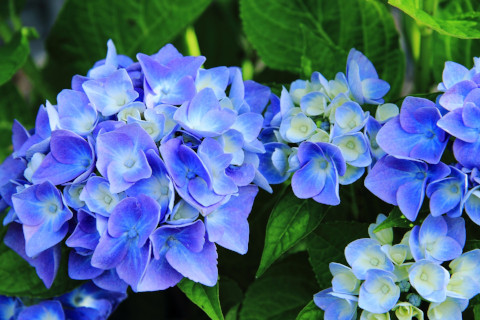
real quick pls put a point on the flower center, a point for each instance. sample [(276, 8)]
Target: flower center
[(164, 190), (429, 134), (454, 189), (107, 199), (352, 124), (350, 145), (129, 163), (323, 164), (191, 175), (374, 262), (132, 233), (420, 175), (303, 129), (85, 163), (424, 276), (53, 208), (385, 289)]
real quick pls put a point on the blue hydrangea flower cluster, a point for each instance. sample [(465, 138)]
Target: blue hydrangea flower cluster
[(318, 132), (142, 169), (428, 265), (384, 277), (85, 302), (415, 142)]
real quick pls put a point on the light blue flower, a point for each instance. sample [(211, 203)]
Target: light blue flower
[(344, 281), (450, 309), (363, 80), (438, 239), (366, 254), (430, 280), (337, 306)]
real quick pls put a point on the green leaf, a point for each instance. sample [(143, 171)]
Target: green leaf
[(476, 312), (14, 54), (282, 291), (465, 25), (447, 48), (292, 219), (79, 36), (310, 312), (20, 279), (328, 243), (395, 219), (206, 298), (311, 35)]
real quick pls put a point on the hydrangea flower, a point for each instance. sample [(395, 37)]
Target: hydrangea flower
[(403, 182), (325, 116), (414, 133), (142, 168)]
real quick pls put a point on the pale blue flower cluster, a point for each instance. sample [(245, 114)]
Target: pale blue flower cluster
[(85, 302), (406, 277), (319, 132), (142, 169)]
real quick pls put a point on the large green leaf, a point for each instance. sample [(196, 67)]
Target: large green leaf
[(20, 279), (291, 220), (14, 54), (448, 48), (282, 291), (310, 312), (206, 298), (80, 34), (465, 25), (328, 243), (311, 35)]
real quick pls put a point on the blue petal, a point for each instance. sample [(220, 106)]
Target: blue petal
[(200, 267), (455, 95), (159, 275), (51, 310), (134, 264), (109, 252)]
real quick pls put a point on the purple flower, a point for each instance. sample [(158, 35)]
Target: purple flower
[(204, 116), (403, 182), (169, 76), (75, 112), (70, 158), (190, 176), (320, 165), (414, 133), (447, 194), (43, 213), (112, 94), (227, 226), (121, 156), (125, 245), (180, 251), (463, 123)]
